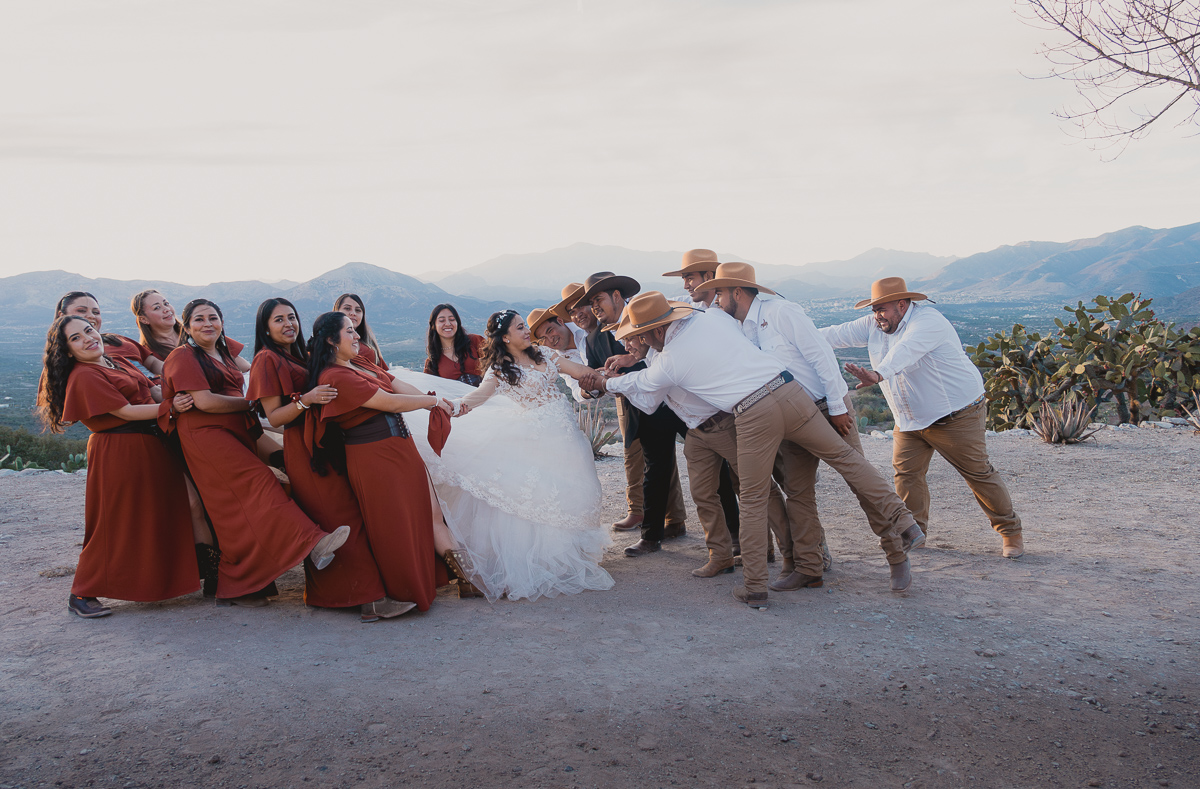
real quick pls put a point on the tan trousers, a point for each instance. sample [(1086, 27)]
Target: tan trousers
[(705, 451), (960, 440), (635, 475), (803, 519), (788, 414)]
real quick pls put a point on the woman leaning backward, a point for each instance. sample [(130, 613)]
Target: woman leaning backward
[(261, 532)]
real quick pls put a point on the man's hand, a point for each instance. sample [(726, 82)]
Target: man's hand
[(865, 377), (842, 423), (615, 363)]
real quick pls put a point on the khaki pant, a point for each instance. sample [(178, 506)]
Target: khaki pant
[(788, 414), (798, 464), (706, 451), (960, 440), (635, 475)]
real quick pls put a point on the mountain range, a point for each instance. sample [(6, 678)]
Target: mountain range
[(1162, 264)]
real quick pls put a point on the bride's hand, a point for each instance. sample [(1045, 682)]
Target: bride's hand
[(463, 408)]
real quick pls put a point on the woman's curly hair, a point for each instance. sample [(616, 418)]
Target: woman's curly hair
[(496, 355), (57, 363)]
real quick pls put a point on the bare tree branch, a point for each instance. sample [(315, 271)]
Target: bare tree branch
[(1132, 61)]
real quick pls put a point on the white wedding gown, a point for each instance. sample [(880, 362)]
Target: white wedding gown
[(518, 486)]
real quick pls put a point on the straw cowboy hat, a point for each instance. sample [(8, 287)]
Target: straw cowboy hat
[(569, 294), (889, 289), (538, 317), (648, 311), (733, 275), (603, 281), (696, 261)]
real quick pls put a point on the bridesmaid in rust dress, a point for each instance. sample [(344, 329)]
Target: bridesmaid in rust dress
[(453, 353), (84, 305), (278, 381), (388, 476), (368, 346), (261, 532), (137, 541)]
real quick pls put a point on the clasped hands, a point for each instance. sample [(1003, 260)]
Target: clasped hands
[(452, 409)]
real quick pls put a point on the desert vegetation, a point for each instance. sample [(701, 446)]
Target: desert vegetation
[(1115, 352)]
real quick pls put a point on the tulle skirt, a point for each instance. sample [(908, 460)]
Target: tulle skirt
[(519, 491)]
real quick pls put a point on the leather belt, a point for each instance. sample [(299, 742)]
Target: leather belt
[(822, 405), (715, 422), (377, 428), (966, 407), (145, 427), (758, 394)]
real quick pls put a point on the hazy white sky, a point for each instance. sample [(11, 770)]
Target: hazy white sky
[(206, 141)]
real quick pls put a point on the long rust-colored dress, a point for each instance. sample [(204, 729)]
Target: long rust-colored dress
[(329, 500), (391, 484), (262, 533), (137, 539)]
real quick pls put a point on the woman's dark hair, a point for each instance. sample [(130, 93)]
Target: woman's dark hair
[(216, 378), (262, 334), (497, 356), (57, 363), (322, 354), (433, 342), (146, 337), (65, 303), (364, 331)]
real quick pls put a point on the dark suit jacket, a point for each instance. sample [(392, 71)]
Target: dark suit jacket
[(600, 346)]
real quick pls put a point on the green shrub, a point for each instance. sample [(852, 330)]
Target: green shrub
[(22, 449)]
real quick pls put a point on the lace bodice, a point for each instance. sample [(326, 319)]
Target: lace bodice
[(534, 389)]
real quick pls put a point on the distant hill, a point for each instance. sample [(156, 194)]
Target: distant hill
[(539, 276), (1157, 263)]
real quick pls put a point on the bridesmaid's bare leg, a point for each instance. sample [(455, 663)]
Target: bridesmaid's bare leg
[(201, 534), (443, 540)]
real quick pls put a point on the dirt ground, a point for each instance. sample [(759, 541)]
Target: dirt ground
[(1075, 665)]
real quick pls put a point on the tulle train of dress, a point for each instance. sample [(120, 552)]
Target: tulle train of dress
[(518, 487)]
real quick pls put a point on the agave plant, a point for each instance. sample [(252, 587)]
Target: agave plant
[(593, 423), (1193, 417), (1065, 422)]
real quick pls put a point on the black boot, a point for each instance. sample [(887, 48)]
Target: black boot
[(207, 560)]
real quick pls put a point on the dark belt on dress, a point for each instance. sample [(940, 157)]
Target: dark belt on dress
[(377, 428), (966, 407), (145, 427), (715, 422), (758, 394)]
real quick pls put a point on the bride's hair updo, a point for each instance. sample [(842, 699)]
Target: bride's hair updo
[(496, 354)]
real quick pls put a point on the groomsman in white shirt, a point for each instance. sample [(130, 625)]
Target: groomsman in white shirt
[(548, 330), (700, 265), (783, 329), (768, 408), (936, 397)]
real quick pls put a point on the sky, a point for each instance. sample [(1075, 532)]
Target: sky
[(215, 141)]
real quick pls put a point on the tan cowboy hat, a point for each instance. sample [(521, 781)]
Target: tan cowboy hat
[(889, 289), (604, 281), (733, 275), (564, 307), (650, 310), (538, 317), (696, 261)]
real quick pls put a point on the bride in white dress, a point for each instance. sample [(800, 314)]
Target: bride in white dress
[(517, 478)]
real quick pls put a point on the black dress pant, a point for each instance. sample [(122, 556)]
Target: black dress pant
[(728, 494), (657, 432)]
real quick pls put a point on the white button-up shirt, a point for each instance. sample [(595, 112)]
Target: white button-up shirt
[(693, 347), (926, 373), (573, 355), (783, 329), (580, 336)]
